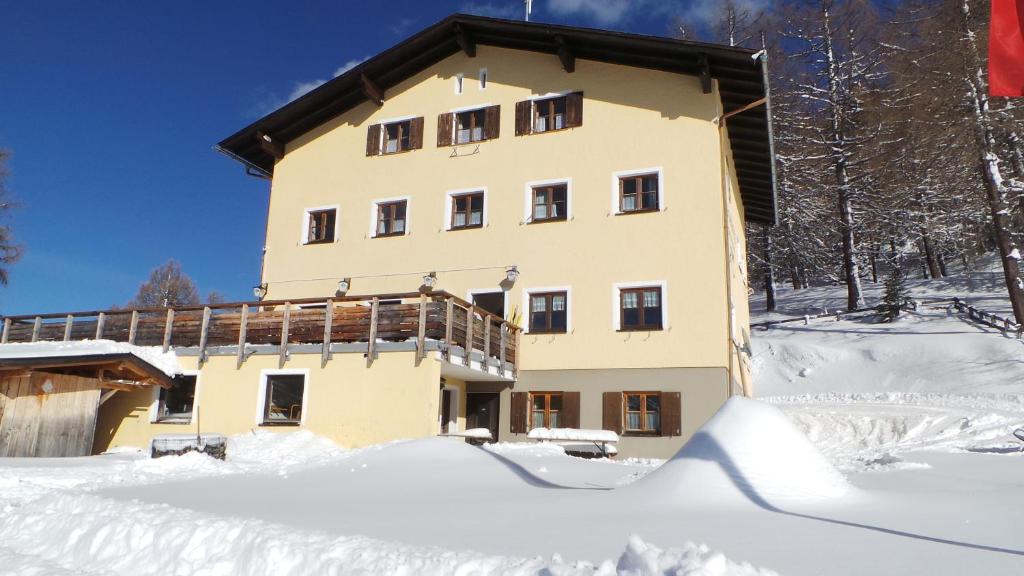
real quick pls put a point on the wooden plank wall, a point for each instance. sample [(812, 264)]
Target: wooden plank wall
[(47, 415)]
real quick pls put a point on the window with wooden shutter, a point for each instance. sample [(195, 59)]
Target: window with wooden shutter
[(570, 409), (517, 420), (416, 133), (545, 410), (671, 414), (445, 124), (549, 114), (524, 117), (492, 122), (642, 412), (574, 110), (373, 140), (611, 411)]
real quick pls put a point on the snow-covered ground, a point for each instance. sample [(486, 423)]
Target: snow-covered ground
[(874, 449)]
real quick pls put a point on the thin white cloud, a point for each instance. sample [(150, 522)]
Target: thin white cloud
[(510, 9), (402, 27), (273, 102), (603, 12)]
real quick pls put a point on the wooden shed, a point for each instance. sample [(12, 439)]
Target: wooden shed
[(49, 403)]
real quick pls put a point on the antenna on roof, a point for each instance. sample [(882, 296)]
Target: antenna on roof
[(529, 8)]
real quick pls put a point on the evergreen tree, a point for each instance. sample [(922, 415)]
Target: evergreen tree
[(897, 295)]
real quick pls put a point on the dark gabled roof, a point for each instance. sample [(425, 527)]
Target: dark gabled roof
[(740, 74)]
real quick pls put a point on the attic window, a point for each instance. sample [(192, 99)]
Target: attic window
[(467, 126), (458, 83), (483, 78), (396, 137)]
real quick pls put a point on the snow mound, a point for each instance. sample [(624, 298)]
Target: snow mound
[(748, 450), (166, 362), (282, 449)]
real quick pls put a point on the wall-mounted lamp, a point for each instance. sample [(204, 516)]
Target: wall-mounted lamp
[(260, 292), (512, 274), (429, 281), (343, 285)]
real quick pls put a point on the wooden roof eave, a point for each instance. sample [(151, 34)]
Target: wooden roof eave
[(117, 363)]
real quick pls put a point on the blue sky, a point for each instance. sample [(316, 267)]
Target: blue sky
[(111, 110)]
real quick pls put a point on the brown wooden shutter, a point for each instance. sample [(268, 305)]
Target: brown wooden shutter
[(373, 140), (444, 129), (524, 117), (520, 403), (612, 412), (671, 414), (570, 417), (416, 133), (574, 109), (492, 122)]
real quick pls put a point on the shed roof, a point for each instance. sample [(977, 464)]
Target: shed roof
[(740, 72)]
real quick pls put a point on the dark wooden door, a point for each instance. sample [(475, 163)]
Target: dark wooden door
[(482, 412), (446, 410)]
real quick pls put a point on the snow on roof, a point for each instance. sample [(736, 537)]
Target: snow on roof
[(166, 362), (575, 434), (748, 449)]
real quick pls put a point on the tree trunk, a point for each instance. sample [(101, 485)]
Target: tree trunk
[(942, 263), (873, 255), (929, 255), (769, 274)]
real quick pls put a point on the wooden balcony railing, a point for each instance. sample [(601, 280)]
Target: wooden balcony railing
[(366, 324)]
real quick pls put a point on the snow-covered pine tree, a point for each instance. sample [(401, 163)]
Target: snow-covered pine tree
[(897, 295)]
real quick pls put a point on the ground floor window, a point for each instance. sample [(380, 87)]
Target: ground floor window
[(642, 411), (176, 403), (547, 406), (283, 399)]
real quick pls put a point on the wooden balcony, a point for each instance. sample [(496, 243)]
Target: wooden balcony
[(430, 322)]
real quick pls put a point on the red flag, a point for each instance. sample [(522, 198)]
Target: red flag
[(1006, 49)]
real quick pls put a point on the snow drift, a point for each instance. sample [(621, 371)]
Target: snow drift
[(166, 362), (751, 451)]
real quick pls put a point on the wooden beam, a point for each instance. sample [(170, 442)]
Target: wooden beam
[(107, 395), (705, 74), (36, 326), (371, 343), (133, 328), (101, 320), (270, 146), (470, 316), (7, 331), (504, 345), (284, 335), (421, 331), (325, 352), (204, 334), (566, 55), (450, 308), (487, 341), (465, 41), (242, 326), (371, 90), (167, 329)]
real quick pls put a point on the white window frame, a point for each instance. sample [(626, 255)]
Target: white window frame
[(548, 96), (482, 79), (374, 206), (261, 399), (459, 192), (455, 122), (528, 191), (638, 172), (459, 83), (304, 237), (492, 290), (527, 311), (154, 406), (617, 290)]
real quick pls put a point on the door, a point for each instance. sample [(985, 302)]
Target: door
[(448, 410), (493, 302), (482, 412)]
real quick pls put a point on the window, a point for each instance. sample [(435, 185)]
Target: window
[(458, 83), (469, 126), (643, 412), (283, 399), (483, 78), (640, 308), (548, 312), (396, 137), (391, 218), (175, 404), (549, 114), (545, 406), (549, 203), (638, 193), (321, 226), (467, 211)]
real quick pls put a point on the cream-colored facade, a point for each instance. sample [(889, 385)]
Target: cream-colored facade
[(634, 120)]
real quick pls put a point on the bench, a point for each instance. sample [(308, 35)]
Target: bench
[(579, 441)]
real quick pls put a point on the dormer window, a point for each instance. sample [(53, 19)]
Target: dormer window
[(468, 126), (548, 114), (395, 136)]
